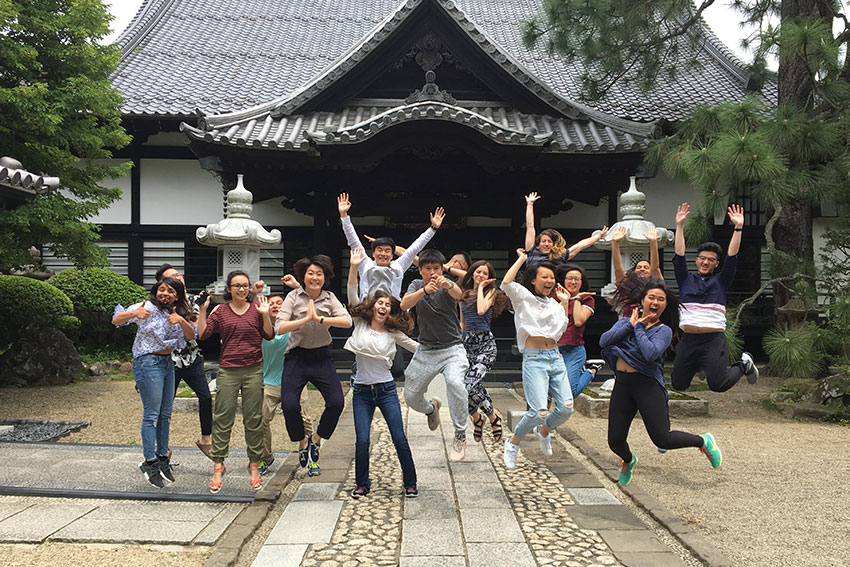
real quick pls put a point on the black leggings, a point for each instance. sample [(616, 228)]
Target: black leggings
[(635, 392), (315, 365), (706, 352), (196, 378)]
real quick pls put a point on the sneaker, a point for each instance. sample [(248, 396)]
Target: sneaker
[(511, 452), (264, 465), (711, 450), (660, 450), (626, 470), (545, 442), (411, 492), (313, 448), (304, 456), (751, 371), (152, 473), (458, 450), (313, 469), (434, 416), (595, 365), (165, 468), (359, 492)]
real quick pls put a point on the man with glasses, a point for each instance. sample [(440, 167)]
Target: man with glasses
[(702, 310)]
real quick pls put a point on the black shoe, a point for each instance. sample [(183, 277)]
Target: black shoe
[(165, 468), (359, 492), (304, 456), (411, 492), (151, 471), (314, 449)]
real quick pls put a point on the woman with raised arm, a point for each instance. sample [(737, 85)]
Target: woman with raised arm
[(379, 325), (635, 348), (642, 268), (307, 314), (480, 303), (540, 321), (549, 245), (163, 325), (571, 343), (242, 325)]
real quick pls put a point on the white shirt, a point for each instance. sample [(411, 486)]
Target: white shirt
[(377, 345), (535, 316)]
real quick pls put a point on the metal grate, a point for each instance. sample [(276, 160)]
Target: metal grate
[(117, 257), (159, 252)]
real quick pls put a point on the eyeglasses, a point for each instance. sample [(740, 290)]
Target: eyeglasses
[(708, 259), (240, 286), (572, 279)]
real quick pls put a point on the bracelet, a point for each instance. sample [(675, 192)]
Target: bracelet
[(321, 320), (434, 228), (739, 229)]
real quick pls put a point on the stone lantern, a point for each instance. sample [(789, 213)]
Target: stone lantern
[(238, 238), (634, 246)]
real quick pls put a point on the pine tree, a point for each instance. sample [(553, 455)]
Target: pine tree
[(790, 152), (59, 116)]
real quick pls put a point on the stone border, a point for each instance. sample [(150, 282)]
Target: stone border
[(225, 553), (70, 427), (598, 407), (685, 534)]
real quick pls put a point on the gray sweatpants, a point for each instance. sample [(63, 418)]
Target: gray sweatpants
[(451, 362)]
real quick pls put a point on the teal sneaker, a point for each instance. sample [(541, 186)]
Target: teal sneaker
[(313, 469), (264, 465), (711, 450), (626, 470)]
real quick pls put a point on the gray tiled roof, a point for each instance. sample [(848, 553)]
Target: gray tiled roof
[(228, 55)]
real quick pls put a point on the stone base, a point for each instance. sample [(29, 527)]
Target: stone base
[(598, 407)]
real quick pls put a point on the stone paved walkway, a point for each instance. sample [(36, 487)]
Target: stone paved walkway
[(546, 512)]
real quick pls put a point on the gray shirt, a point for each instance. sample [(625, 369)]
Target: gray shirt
[(438, 317)]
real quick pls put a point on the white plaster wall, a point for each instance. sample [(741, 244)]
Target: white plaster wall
[(271, 213), (178, 192), (663, 196), (119, 211)]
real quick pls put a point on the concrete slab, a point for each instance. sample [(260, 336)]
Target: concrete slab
[(294, 527), (136, 531), (500, 555), (317, 491), (650, 559), (37, 523), (585, 480), (433, 504), (474, 472), (6, 429), (216, 527), (475, 452), (472, 495), (433, 478), (432, 561), (330, 475), (131, 511), (632, 540), (605, 518), (431, 537), (280, 555), (594, 497), (494, 525), (11, 505)]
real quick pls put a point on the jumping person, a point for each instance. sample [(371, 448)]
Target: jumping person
[(643, 268), (379, 325), (307, 314), (273, 357), (571, 343), (242, 325), (481, 301), (163, 325), (703, 310), (435, 297), (635, 348), (540, 320), (549, 245)]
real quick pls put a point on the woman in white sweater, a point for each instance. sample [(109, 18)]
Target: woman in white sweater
[(379, 324)]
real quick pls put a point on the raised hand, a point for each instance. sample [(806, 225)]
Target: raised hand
[(485, 283), (682, 213), (736, 215), (649, 318), (263, 304), (356, 257), (618, 234), (437, 217), (311, 311), (206, 304), (582, 294), (443, 282), (368, 238), (651, 234), (343, 204), (521, 253), (432, 286), (257, 288), (633, 319), (143, 312), (173, 317), (290, 281), (532, 197), (603, 232), (561, 293)]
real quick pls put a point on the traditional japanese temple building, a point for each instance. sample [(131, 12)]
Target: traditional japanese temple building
[(406, 105)]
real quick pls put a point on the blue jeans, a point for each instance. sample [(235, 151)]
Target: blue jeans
[(574, 359), (154, 375), (364, 401), (543, 372)]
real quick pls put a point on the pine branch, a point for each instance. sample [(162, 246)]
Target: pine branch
[(752, 299)]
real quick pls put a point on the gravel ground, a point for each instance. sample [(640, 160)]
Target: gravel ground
[(780, 496), (75, 555)]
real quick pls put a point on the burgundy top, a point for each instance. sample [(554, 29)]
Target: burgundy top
[(574, 335), (241, 335)]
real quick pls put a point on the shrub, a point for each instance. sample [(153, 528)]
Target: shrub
[(734, 340), (796, 350), (28, 302), (95, 292)]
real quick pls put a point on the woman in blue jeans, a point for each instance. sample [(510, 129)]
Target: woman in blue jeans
[(163, 325), (571, 343), (379, 324), (540, 320)]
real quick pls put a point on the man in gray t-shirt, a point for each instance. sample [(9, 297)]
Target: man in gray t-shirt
[(434, 299)]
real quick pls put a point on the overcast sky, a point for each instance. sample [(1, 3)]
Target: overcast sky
[(722, 20)]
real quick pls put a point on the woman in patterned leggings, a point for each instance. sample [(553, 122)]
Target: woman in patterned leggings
[(481, 301)]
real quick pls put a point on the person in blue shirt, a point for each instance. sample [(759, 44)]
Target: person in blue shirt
[(634, 347), (703, 310)]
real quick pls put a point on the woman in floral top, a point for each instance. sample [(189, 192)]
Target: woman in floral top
[(163, 325)]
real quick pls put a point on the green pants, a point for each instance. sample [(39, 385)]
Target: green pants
[(248, 379)]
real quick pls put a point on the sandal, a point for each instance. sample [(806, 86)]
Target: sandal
[(496, 427), (478, 426), (204, 447), (256, 483), (215, 486)]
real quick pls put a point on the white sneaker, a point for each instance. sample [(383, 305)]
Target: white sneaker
[(751, 371), (458, 450), (511, 452), (545, 442)]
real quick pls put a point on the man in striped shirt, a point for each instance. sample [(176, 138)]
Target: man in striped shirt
[(702, 310)]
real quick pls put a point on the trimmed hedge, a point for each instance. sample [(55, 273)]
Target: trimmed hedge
[(26, 301)]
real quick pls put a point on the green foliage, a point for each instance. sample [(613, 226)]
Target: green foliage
[(98, 353), (734, 340), (61, 117), (796, 350), (95, 292), (27, 302)]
